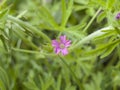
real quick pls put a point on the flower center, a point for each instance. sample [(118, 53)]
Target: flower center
[(62, 46)]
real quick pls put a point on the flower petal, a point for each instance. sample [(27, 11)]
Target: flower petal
[(68, 43), (55, 43), (64, 51), (63, 39), (57, 50), (118, 16)]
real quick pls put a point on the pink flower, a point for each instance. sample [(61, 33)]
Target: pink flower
[(61, 45), (118, 16)]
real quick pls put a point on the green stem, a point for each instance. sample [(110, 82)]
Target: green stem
[(92, 20), (28, 26), (25, 51), (73, 74), (114, 87), (112, 61), (33, 52)]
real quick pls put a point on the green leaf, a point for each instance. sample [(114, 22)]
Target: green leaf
[(47, 17), (101, 16), (4, 81), (45, 26), (46, 82), (66, 12), (70, 87), (3, 17), (84, 2), (5, 42), (63, 11), (102, 49), (107, 34), (79, 7), (95, 83), (19, 31), (76, 27), (31, 85), (58, 84), (108, 51), (3, 13), (2, 86), (29, 27), (110, 4)]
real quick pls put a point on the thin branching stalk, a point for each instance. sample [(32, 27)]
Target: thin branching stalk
[(73, 74), (90, 22)]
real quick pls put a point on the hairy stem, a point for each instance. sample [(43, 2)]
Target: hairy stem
[(90, 37)]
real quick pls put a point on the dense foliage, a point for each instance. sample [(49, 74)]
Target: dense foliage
[(27, 57)]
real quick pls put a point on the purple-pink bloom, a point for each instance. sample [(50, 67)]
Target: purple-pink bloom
[(61, 45), (118, 16)]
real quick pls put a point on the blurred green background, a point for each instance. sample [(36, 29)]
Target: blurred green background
[(27, 59)]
